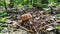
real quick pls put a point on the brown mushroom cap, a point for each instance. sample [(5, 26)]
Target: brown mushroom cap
[(26, 17)]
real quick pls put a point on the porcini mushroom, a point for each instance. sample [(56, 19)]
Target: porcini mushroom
[(25, 17)]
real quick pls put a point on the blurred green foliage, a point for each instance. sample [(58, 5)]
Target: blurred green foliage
[(3, 16), (21, 3), (2, 19), (57, 27), (2, 13)]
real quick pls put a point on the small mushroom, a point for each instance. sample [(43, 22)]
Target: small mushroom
[(25, 17)]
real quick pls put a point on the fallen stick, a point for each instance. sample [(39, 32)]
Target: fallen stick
[(15, 23), (22, 27), (35, 30)]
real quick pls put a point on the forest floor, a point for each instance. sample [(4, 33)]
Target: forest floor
[(41, 22)]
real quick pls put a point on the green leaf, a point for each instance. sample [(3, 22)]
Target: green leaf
[(3, 19), (2, 13), (57, 27), (3, 25), (1, 33)]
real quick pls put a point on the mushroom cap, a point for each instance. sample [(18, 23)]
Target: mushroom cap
[(26, 17)]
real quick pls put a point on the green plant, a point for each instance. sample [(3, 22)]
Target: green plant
[(57, 27), (2, 13), (2, 19), (3, 16)]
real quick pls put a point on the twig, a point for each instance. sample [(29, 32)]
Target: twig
[(35, 30), (22, 27)]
